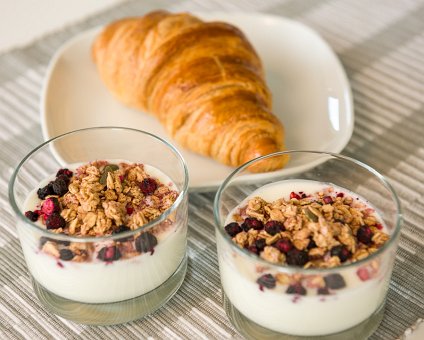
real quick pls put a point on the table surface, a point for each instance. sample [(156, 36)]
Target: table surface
[(381, 46)]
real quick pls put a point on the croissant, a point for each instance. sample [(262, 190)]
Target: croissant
[(202, 80)]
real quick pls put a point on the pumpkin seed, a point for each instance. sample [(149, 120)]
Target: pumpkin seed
[(108, 168), (309, 214)]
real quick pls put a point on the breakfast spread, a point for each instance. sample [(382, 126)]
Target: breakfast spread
[(102, 200), (319, 228), (202, 80)]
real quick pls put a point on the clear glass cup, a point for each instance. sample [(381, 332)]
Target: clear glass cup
[(93, 291), (352, 311)]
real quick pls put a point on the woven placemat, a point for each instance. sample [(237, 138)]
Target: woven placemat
[(381, 46)]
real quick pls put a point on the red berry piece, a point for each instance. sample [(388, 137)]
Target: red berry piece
[(66, 254), (341, 252), (145, 242), (334, 281), (50, 206), (340, 194), (379, 226), (296, 257), (109, 254), (296, 288), (129, 209), (31, 215), (66, 172), (364, 234), (327, 200), (55, 221), (274, 227), (148, 186), (284, 245), (252, 223), (293, 195), (233, 229), (267, 281), (363, 274)]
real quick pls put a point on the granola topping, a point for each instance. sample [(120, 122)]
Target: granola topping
[(101, 199), (323, 229)]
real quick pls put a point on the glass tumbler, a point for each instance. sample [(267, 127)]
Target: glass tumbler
[(272, 300), (123, 288)]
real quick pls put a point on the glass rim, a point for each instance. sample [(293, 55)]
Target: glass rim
[(295, 269), (63, 237)]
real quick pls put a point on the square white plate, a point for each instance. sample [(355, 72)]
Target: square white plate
[(311, 93)]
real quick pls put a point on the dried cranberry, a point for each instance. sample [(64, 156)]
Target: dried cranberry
[(294, 195), (50, 206), (379, 226), (296, 257), (323, 291), (284, 245), (109, 254), (341, 252), (60, 187), (233, 229), (364, 234), (327, 200), (64, 178), (145, 242), (55, 221), (340, 194), (148, 186), (274, 227), (252, 223), (260, 244), (66, 254), (43, 192), (66, 172), (267, 281), (334, 281), (129, 209), (31, 215), (296, 288)]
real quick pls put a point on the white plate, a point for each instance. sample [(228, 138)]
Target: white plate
[(311, 93)]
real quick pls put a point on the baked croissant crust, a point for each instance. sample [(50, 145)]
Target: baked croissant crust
[(202, 80)]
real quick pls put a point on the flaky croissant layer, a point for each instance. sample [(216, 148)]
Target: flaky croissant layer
[(202, 80)]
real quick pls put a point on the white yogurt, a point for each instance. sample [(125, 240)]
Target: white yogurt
[(103, 282), (306, 315)]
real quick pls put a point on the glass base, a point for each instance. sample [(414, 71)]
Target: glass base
[(116, 312), (251, 330)]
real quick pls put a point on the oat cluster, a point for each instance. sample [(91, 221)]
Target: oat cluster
[(319, 230)]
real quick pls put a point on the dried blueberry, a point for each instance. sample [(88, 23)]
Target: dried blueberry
[(296, 257), (260, 244), (145, 242), (66, 254), (274, 227), (55, 221), (253, 249), (323, 291), (296, 288), (66, 172), (31, 215), (60, 187), (334, 281), (284, 245), (148, 186), (341, 252), (267, 281), (364, 234), (121, 229), (45, 191), (233, 229), (109, 254), (252, 223)]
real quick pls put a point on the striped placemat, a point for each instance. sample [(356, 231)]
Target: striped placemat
[(381, 45)]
